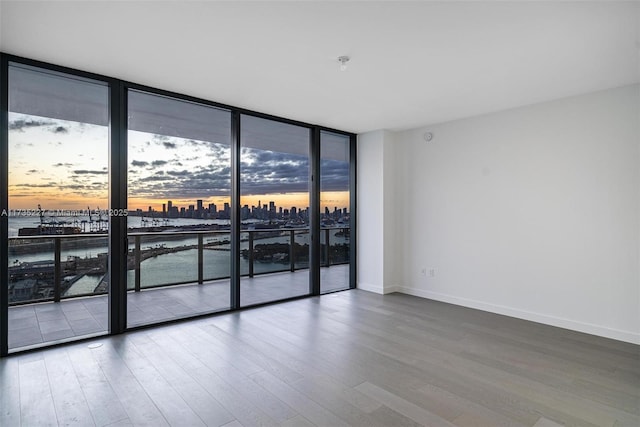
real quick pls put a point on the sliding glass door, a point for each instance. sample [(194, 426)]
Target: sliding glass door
[(58, 217), (335, 212), (179, 185), (274, 210)]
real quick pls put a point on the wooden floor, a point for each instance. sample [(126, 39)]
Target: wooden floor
[(349, 358), (37, 324)]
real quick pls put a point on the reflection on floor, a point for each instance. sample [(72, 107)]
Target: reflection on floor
[(48, 322)]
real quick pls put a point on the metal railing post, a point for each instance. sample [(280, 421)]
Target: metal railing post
[(250, 254), (136, 257), (292, 252), (57, 270), (200, 260)]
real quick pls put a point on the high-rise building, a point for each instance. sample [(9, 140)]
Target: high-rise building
[(199, 209), (272, 210)]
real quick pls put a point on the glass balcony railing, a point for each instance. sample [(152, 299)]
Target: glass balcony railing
[(57, 267)]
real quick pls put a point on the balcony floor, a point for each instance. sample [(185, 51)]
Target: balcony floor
[(34, 324)]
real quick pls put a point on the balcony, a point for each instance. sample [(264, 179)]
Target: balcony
[(61, 293)]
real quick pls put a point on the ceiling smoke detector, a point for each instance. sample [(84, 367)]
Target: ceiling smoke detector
[(343, 62)]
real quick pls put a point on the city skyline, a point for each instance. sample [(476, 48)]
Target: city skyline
[(200, 209)]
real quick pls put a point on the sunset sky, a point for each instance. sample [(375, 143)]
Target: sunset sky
[(64, 165)]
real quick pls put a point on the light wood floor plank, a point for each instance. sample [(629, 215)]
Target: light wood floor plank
[(68, 396), (9, 392), (130, 393), (315, 413), (102, 400), (201, 403), (201, 357), (402, 406), (165, 397), (36, 400)]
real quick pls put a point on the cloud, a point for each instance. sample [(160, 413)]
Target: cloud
[(89, 172), (209, 175), (179, 173), (66, 165), (60, 129), (164, 141), (32, 186), (156, 178), (334, 175), (21, 124), (265, 172)]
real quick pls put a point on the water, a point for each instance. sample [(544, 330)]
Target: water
[(85, 285)]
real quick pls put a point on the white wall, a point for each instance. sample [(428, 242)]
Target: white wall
[(392, 215), (532, 212), (377, 266)]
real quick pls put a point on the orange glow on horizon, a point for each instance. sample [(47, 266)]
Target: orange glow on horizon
[(51, 199), (330, 199)]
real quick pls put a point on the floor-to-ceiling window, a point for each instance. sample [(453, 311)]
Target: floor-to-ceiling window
[(274, 209), (124, 206), (335, 211), (179, 188), (58, 206)]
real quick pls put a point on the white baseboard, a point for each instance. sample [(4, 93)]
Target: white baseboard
[(574, 325), (378, 289), (389, 289), (371, 288)]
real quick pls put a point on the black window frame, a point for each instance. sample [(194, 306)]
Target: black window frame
[(118, 127)]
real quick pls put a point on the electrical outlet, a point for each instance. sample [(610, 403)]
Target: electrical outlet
[(432, 272), (423, 272)]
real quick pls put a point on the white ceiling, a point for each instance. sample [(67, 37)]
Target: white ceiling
[(413, 63)]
